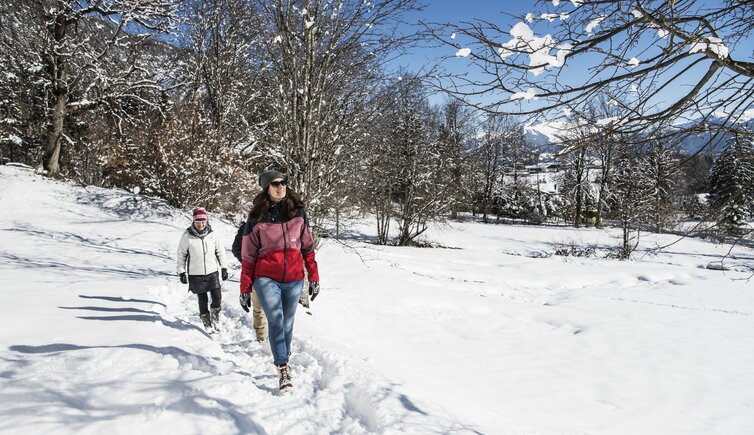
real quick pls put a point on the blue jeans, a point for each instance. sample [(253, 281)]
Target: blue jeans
[(279, 301)]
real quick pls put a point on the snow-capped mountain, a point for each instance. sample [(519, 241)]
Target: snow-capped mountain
[(546, 137)]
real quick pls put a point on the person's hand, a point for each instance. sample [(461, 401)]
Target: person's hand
[(224, 273), (313, 289), (184, 278), (245, 300)]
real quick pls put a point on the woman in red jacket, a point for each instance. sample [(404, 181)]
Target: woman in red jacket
[(276, 247)]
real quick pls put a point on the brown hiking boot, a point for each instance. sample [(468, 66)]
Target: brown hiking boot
[(285, 378)]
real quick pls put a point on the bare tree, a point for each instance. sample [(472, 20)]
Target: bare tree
[(375, 179), (78, 66), (605, 146), (576, 159), (222, 76), (407, 174), (575, 181), (323, 64), (662, 60), (214, 108), (455, 133), (488, 156), (516, 189)]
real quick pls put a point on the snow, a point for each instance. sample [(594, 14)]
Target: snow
[(538, 48), (637, 14), (12, 138), (453, 36), (553, 130), (594, 23), (497, 336), (549, 17), (633, 62), (463, 52), (747, 115), (712, 44), (527, 95), (607, 121)]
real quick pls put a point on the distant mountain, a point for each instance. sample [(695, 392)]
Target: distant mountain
[(545, 137), (713, 141)]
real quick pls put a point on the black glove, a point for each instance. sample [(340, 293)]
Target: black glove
[(313, 289), (224, 273), (184, 278), (245, 300)]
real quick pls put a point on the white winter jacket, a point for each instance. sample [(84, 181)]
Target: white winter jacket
[(200, 255)]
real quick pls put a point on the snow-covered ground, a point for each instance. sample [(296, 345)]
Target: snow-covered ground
[(497, 336)]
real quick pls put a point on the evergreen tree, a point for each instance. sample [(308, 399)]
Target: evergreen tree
[(408, 174), (454, 134), (632, 199), (731, 183), (577, 189), (661, 164), (22, 98), (487, 154)]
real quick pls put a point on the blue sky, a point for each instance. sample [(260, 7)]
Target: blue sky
[(504, 14), (454, 11)]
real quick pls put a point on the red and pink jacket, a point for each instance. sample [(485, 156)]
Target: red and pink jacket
[(277, 249)]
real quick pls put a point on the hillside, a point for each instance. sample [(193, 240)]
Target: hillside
[(491, 334)]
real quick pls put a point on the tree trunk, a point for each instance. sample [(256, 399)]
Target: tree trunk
[(606, 167), (55, 137), (337, 223), (577, 212), (59, 72), (600, 205)]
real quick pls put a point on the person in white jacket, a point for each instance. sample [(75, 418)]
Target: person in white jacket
[(201, 263)]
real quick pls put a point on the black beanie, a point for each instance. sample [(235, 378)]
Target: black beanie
[(267, 177)]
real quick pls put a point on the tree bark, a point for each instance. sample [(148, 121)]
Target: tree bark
[(59, 72)]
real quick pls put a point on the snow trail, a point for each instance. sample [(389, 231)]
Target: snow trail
[(497, 336), (115, 343)]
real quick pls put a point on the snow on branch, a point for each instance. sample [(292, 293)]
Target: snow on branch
[(463, 52), (538, 48), (528, 95), (715, 45), (666, 61)]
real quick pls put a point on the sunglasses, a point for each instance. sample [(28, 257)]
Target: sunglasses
[(279, 183)]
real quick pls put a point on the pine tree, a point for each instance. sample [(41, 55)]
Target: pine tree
[(731, 183), (632, 199), (661, 164), (487, 154), (577, 189)]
